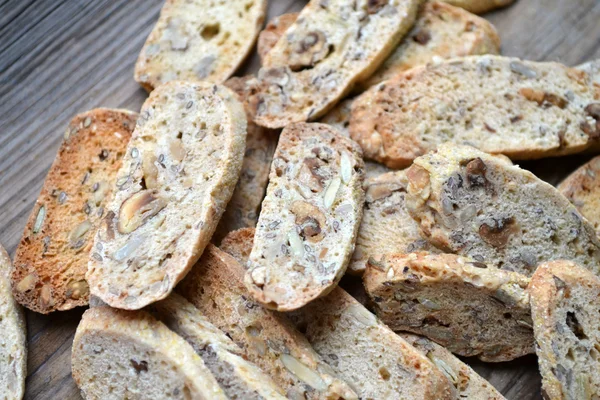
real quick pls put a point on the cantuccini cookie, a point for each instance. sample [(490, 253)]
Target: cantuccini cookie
[(582, 188), (479, 6)]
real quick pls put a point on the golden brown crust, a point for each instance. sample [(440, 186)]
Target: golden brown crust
[(479, 6), (582, 188), (51, 260)]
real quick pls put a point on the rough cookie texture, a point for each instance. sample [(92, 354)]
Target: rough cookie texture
[(470, 309), (243, 208), (467, 382), (593, 69), (199, 40), (386, 227), (376, 362), (13, 346), (521, 109), (565, 299), (331, 46), (479, 6), (239, 379), (309, 219), (52, 257), (470, 203), (582, 188), (178, 173), (120, 354), (275, 28), (215, 287)]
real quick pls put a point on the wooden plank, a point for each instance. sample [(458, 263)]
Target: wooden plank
[(58, 58)]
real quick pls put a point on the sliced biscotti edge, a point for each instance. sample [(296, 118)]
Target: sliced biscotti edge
[(309, 218), (479, 6), (466, 381), (582, 188), (239, 378), (470, 309), (178, 174), (199, 41), (51, 260), (316, 63), (215, 287), (116, 352), (472, 204), (564, 305), (13, 354)]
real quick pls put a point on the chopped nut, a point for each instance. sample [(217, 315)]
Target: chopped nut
[(79, 231), (100, 190), (177, 151), (310, 219), (39, 219), (381, 189), (308, 51), (27, 283), (259, 276), (331, 192), (476, 169), (418, 180), (303, 372), (422, 37), (77, 289), (150, 171), (296, 243), (137, 209), (521, 69), (533, 95), (345, 167), (498, 233), (46, 296), (128, 248), (430, 304), (362, 315)]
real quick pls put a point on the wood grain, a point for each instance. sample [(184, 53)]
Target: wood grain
[(59, 58)]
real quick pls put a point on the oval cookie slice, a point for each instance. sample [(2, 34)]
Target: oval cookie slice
[(178, 173), (52, 257), (199, 40), (120, 354), (309, 218)]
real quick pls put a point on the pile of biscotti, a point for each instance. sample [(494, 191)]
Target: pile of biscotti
[(208, 233)]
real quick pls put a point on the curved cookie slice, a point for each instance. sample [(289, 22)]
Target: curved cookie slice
[(13, 351), (479, 6), (215, 287), (178, 173), (470, 309), (199, 40), (378, 363), (239, 378), (522, 109), (52, 257), (243, 208), (593, 69), (386, 227), (473, 204), (564, 304), (121, 354), (331, 46), (466, 381), (309, 218), (582, 188)]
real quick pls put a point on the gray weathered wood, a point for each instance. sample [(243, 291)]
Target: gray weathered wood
[(59, 57)]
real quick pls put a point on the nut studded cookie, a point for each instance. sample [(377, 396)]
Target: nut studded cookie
[(331, 46), (466, 381), (239, 379), (178, 173), (199, 40), (479, 6), (593, 69), (243, 208), (13, 348), (582, 188), (386, 227), (215, 286), (309, 218), (522, 109), (470, 309), (120, 354), (565, 299), (470, 203), (378, 363), (52, 256)]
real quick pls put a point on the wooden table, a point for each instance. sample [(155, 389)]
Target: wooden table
[(58, 58)]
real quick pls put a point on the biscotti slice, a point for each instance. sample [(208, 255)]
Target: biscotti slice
[(178, 173), (363, 351), (13, 347), (215, 286), (52, 256), (275, 28), (467, 382), (199, 40), (238, 378), (472, 204), (470, 309), (309, 218), (243, 208), (386, 227), (593, 69), (327, 49), (120, 354), (565, 299), (582, 188), (522, 109), (479, 6)]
